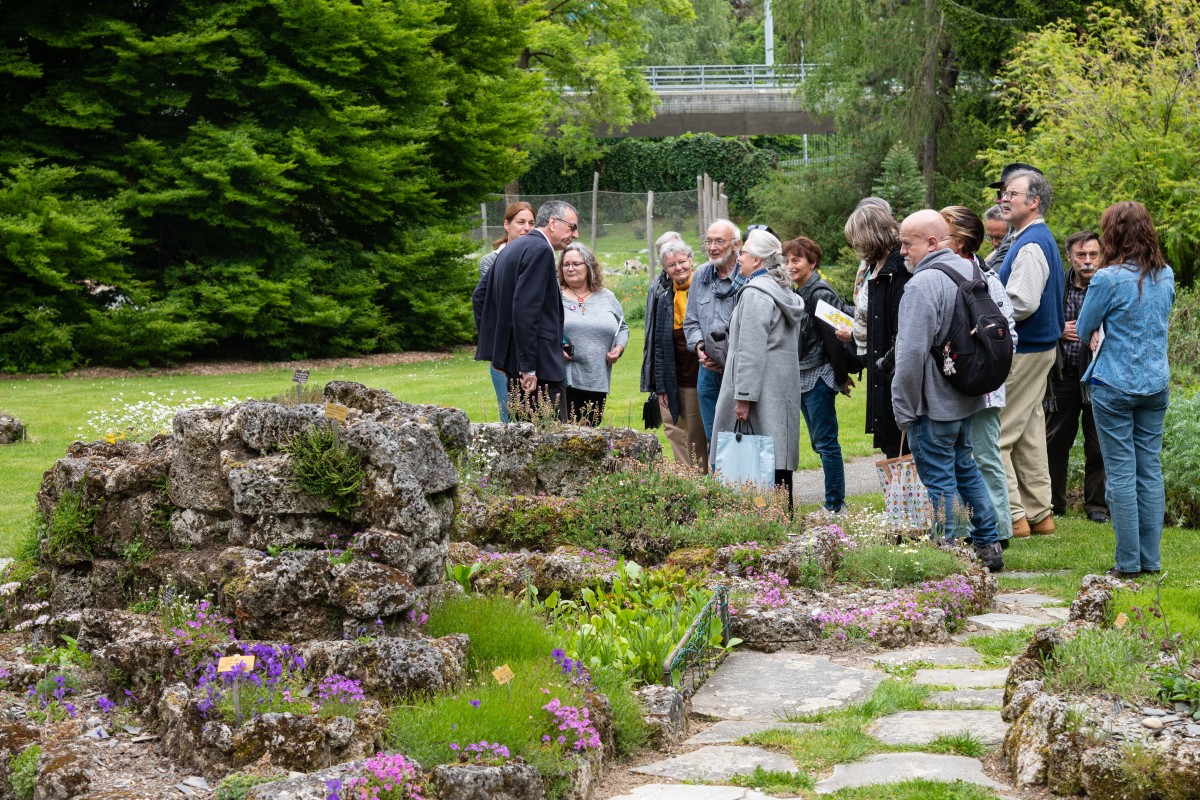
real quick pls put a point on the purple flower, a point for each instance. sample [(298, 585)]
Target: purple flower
[(104, 704), (475, 704)]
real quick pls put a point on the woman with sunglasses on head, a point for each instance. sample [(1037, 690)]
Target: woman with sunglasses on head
[(1124, 319), (518, 221), (594, 333)]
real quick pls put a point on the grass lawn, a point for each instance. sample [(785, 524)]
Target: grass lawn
[(55, 410)]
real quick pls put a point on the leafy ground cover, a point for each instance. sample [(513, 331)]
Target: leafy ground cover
[(57, 409)]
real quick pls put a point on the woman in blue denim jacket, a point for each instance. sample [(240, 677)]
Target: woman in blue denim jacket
[(1125, 318)]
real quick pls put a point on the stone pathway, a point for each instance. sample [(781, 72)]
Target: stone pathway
[(808, 485), (752, 692)]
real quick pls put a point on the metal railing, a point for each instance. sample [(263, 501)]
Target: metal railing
[(695, 657), (727, 76)]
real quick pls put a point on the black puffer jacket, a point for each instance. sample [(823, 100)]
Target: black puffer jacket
[(883, 319), (662, 376)]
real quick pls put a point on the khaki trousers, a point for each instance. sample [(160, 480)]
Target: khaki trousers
[(1023, 436), (686, 434)]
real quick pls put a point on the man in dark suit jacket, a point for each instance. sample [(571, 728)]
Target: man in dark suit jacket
[(518, 307)]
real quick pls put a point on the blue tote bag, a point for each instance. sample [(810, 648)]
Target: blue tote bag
[(744, 458)]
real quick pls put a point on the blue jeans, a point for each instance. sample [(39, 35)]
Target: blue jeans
[(1130, 428), (942, 454), (708, 388), (500, 384), (820, 417), (985, 444)]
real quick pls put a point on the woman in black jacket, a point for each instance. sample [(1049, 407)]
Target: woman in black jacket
[(875, 236), (669, 369)]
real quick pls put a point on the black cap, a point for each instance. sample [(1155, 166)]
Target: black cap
[(1009, 169)]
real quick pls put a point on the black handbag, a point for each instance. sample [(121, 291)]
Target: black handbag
[(652, 413)]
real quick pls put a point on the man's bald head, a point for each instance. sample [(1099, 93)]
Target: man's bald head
[(921, 233)]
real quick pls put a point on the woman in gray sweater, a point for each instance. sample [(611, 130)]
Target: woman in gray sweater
[(594, 334)]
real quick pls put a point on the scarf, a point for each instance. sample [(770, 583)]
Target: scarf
[(681, 295)]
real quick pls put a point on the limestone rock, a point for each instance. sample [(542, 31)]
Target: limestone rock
[(515, 780), (424, 560), (389, 666), (772, 629), (192, 528), (64, 772), (1030, 664), (12, 430), (259, 428), (306, 787), (666, 712), (264, 486), (1028, 741), (1024, 694), (285, 597), (1094, 599), (452, 425), (1064, 769), (693, 558), (369, 590), (196, 478)]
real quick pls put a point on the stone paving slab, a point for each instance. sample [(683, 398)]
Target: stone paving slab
[(939, 656), (1004, 622), (1028, 599), (729, 730), (674, 791), (718, 763), (899, 767), (963, 678), (767, 686), (1058, 613), (922, 727), (969, 697)]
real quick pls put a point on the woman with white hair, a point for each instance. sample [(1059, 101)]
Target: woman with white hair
[(762, 371)]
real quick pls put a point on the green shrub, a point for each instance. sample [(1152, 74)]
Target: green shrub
[(324, 469), (70, 524), (1183, 345), (235, 786), (23, 772), (1108, 660), (888, 566), (1181, 458), (630, 731), (645, 513)]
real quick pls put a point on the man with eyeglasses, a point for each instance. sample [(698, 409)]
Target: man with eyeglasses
[(711, 299), (518, 309), (998, 233), (1032, 274)]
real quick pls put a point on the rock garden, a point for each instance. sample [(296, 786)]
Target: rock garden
[(353, 596)]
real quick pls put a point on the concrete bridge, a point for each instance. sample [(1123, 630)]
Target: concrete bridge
[(728, 100)]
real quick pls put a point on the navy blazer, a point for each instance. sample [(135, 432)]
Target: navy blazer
[(519, 312)]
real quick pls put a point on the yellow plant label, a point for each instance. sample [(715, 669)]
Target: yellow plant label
[(1120, 621), (235, 664), (336, 411), (503, 674), (760, 502)]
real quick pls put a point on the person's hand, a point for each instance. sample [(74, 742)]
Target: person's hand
[(847, 386), (663, 401), (741, 410), (566, 355), (1095, 342), (614, 354), (844, 333), (705, 361), (528, 383), (1069, 334)]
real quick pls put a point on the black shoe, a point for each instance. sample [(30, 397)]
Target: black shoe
[(1151, 571), (1122, 574), (1098, 516), (989, 555), (1004, 544)]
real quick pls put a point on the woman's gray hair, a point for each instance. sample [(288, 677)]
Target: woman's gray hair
[(595, 274), (669, 236), (765, 246), (875, 201), (674, 246), (873, 232)]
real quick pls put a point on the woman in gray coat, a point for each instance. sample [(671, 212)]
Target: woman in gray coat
[(762, 372)]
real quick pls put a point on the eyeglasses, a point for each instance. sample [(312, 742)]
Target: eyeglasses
[(574, 226), (715, 242), (683, 262), (574, 265), (1008, 195)]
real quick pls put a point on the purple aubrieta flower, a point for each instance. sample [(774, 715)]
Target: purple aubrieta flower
[(475, 703)]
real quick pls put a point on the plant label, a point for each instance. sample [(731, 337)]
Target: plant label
[(503, 674), (300, 376), (239, 664), (336, 411), (1120, 621)]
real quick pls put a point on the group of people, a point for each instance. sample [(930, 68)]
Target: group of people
[(750, 339)]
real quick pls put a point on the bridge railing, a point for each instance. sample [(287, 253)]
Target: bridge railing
[(726, 76)]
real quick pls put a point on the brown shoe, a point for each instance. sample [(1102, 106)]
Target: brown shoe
[(1045, 527), (1021, 528)]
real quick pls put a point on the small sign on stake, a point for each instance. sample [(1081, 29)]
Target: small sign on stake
[(336, 412), (300, 377), (238, 665), (504, 675)]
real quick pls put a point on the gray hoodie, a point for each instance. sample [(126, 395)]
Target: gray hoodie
[(918, 387)]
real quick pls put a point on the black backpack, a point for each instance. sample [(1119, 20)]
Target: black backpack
[(977, 352)]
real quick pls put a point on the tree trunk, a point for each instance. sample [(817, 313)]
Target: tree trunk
[(929, 87)]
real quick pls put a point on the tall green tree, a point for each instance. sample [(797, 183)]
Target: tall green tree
[(275, 177), (1110, 110)]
